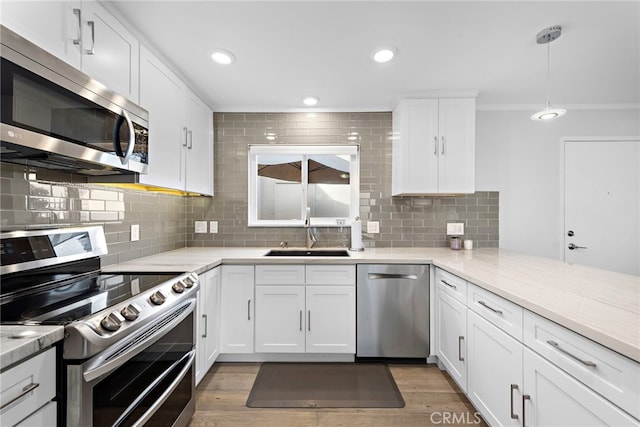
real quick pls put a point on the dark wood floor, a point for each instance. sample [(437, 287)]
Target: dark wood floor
[(431, 398)]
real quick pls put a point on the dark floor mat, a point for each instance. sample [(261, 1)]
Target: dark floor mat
[(324, 385)]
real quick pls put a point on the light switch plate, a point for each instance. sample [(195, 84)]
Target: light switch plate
[(373, 227), (135, 232), (201, 226), (213, 226), (455, 228)]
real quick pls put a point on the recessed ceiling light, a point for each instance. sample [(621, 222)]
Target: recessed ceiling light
[(384, 55), (223, 57), (310, 100)]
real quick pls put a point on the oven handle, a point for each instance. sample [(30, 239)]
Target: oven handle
[(165, 395), (98, 366)]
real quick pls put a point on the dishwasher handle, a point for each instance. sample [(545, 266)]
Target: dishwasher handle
[(378, 276)]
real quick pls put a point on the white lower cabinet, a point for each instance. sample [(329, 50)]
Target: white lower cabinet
[(452, 332), (237, 311), (494, 361), (28, 390), (331, 319), (553, 398), (208, 322), (280, 319), (305, 314)]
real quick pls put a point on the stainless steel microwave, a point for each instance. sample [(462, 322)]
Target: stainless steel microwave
[(56, 117)]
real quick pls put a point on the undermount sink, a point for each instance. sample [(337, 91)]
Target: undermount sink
[(308, 252)]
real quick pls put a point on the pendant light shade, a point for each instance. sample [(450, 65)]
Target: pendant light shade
[(546, 36)]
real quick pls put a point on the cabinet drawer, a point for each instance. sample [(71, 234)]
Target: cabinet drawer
[(37, 374), (497, 310), (452, 285), (279, 274), (612, 375), (331, 274)]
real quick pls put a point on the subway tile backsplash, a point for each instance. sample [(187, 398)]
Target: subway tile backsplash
[(167, 221), (404, 221)]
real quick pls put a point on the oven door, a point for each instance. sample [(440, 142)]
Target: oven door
[(149, 379)]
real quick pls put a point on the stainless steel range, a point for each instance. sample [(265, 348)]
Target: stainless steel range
[(128, 352)]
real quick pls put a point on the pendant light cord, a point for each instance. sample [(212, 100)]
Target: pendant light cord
[(548, 76)]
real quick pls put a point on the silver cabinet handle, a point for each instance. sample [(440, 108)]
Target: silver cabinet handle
[(300, 320), (484, 304), (525, 397), (249, 310), (309, 320), (184, 136), (572, 247), (514, 416), (204, 316), (435, 145), (562, 350), (190, 134), (460, 356), (377, 276), (78, 13), (92, 51), (443, 143), (448, 284), (25, 390)]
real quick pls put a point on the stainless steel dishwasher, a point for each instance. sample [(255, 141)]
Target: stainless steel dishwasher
[(393, 311)]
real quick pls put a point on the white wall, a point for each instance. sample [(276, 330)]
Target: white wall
[(522, 159)]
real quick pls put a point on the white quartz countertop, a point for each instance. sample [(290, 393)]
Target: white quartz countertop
[(19, 342), (601, 305)]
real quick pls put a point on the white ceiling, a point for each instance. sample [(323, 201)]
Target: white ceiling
[(288, 49)]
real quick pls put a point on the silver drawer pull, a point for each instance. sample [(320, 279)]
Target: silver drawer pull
[(484, 304), (448, 284), (25, 390), (460, 356), (560, 349)]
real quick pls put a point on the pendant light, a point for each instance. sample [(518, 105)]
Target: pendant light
[(546, 36)]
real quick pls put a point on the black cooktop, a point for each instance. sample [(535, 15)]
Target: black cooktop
[(60, 298)]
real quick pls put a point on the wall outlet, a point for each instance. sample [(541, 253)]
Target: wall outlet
[(201, 226), (135, 232), (373, 227), (213, 226), (455, 228)]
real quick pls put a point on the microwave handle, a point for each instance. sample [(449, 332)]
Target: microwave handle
[(124, 157)]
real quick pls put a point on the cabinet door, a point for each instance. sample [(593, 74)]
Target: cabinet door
[(494, 372), (456, 156), (237, 309), (212, 321), (451, 333), (52, 25), (280, 319), (111, 53), (331, 319), (554, 398), (199, 150), (162, 94), (43, 417), (415, 147)]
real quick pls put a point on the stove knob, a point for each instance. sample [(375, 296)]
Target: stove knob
[(178, 287), (112, 322), (157, 298), (187, 282), (131, 312)]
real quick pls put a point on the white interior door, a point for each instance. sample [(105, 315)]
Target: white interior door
[(602, 204)]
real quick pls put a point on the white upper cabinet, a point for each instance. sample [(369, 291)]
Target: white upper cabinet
[(110, 52), (180, 130), (434, 146), (55, 26), (83, 34)]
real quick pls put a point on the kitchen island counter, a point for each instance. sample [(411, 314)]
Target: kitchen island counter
[(18, 342), (598, 304)]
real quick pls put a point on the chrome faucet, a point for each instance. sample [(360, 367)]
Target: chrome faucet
[(312, 236)]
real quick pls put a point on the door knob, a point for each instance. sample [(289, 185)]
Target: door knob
[(570, 233), (572, 247)]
